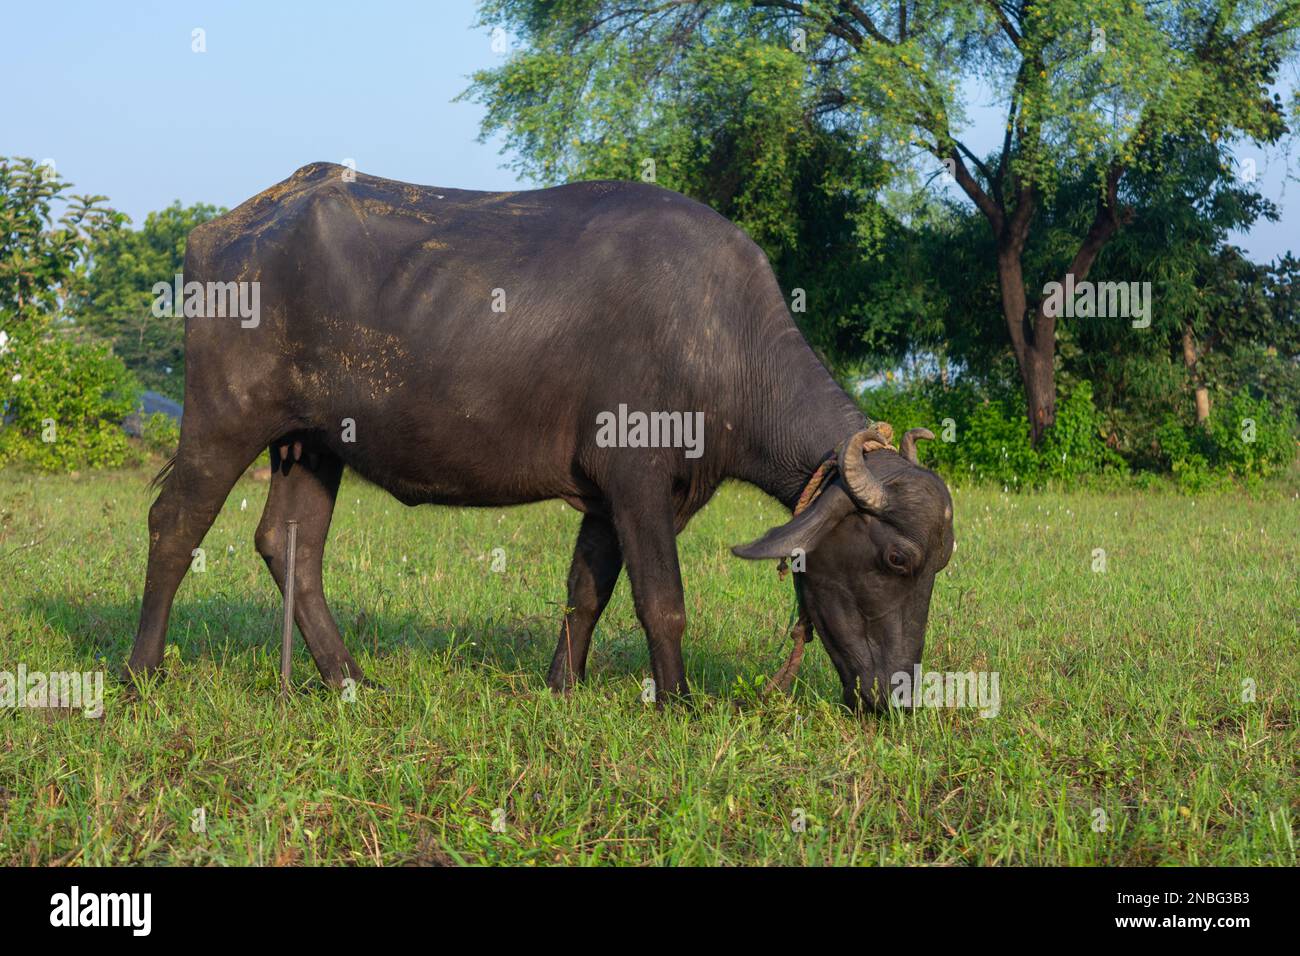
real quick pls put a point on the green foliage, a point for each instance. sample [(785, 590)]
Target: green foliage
[(1184, 450), (118, 295), (44, 261), (1245, 438), (63, 401), (1076, 445), (63, 397), (1238, 318), (600, 84), (992, 444), (983, 437), (160, 434)]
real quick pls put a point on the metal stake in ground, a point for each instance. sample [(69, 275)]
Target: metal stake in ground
[(286, 639)]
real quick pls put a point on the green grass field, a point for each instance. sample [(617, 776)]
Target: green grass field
[(1121, 692)]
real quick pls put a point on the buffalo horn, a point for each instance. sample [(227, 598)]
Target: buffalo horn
[(907, 447), (864, 488)]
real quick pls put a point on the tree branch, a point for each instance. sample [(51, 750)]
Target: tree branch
[(865, 22), (979, 164), (1007, 27), (1105, 224), (983, 201)]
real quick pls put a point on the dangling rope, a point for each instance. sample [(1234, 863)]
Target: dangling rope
[(879, 436)]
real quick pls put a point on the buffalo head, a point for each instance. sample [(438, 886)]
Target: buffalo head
[(872, 543)]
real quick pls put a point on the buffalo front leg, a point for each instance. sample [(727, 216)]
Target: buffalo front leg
[(648, 538), (191, 497), (597, 561), (306, 494)]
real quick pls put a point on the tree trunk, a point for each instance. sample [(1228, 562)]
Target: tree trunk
[(1033, 334), (1038, 370), (1192, 358), (1033, 338)]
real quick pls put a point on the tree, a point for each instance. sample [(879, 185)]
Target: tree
[(1213, 326), (118, 296), (602, 86), (61, 398), (1274, 366), (44, 262)]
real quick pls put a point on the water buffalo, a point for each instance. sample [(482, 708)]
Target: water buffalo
[(473, 348)]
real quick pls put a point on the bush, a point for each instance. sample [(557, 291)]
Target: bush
[(160, 434), (1245, 438), (1076, 445), (63, 401), (984, 437), (991, 443)]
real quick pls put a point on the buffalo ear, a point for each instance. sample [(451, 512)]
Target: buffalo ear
[(802, 532)]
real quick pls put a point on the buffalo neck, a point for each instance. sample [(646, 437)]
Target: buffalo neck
[(801, 415)]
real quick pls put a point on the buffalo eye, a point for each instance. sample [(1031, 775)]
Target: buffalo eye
[(896, 561)]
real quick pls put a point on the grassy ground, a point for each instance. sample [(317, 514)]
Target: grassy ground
[(1121, 692)]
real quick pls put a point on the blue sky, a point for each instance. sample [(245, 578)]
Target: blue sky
[(113, 93)]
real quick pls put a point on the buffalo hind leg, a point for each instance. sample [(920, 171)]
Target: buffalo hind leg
[(597, 561), (648, 538), (305, 491), (191, 498)]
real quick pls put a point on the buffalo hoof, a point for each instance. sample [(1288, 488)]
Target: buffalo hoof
[(563, 685)]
